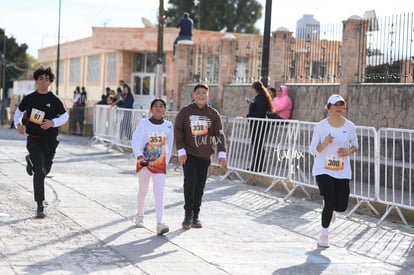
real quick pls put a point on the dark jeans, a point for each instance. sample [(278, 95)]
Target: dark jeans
[(195, 176), (335, 194), (77, 116), (41, 154), (258, 130)]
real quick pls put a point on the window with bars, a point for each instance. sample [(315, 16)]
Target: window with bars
[(74, 70), (94, 68), (111, 67)]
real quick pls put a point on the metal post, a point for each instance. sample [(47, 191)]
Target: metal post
[(4, 95), (58, 53), (160, 45), (266, 43)]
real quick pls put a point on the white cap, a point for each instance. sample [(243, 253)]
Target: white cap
[(335, 98)]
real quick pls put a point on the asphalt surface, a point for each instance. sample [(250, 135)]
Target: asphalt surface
[(89, 228)]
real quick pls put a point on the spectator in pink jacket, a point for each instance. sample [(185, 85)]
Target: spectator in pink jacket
[(282, 104)]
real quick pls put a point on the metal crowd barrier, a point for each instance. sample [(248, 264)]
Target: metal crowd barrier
[(364, 169), (383, 168), (395, 170)]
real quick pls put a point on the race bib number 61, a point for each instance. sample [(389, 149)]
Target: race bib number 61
[(37, 116)]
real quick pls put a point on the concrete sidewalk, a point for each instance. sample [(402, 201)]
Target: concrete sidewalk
[(89, 228)]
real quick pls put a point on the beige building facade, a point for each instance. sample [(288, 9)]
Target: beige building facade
[(130, 54)]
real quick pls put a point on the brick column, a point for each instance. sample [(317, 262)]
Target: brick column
[(227, 65), (279, 55), (183, 69), (354, 41)]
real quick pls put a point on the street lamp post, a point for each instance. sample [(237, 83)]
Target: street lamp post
[(266, 43), (160, 45)]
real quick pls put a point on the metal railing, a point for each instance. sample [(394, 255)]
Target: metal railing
[(383, 166)]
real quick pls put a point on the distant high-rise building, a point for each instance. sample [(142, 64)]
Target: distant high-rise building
[(308, 27)]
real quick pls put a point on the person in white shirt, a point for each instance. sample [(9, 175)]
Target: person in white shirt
[(152, 143), (334, 140)]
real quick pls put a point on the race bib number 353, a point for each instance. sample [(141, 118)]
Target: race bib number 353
[(37, 116), (334, 163)]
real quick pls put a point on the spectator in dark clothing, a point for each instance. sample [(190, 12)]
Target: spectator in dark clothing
[(102, 101), (127, 103), (186, 29), (118, 98), (104, 97), (261, 105), (127, 99), (81, 109)]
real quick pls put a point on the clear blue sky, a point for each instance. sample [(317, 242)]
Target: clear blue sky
[(35, 22)]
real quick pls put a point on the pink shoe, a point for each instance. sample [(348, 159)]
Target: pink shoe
[(323, 241)]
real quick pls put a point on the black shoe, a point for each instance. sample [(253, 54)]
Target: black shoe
[(29, 166), (196, 224), (188, 220), (40, 214)]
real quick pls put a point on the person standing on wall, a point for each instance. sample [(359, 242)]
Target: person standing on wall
[(185, 25), (45, 113), (152, 144), (261, 105), (198, 131), (334, 139)]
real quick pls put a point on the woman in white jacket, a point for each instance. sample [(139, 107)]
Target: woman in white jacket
[(152, 143), (334, 140)]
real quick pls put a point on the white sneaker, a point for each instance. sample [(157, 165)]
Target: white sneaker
[(323, 241), (139, 221), (162, 229)]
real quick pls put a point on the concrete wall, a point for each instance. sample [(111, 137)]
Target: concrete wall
[(375, 105)]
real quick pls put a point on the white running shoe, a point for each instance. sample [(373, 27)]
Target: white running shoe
[(323, 241), (139, 221), (162, 229)]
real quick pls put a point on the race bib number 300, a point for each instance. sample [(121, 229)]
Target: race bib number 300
[(37, 116), (334, 163)]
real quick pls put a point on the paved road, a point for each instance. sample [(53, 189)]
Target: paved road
[(89, 226)]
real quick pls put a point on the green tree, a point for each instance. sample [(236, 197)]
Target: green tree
[(228, 15), (14, 60)]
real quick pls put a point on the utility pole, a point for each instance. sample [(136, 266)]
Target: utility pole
[(266, 43), (160, 44), (4, 95), (58, 53)]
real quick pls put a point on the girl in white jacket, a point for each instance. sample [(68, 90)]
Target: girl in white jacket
[(152, 143)]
